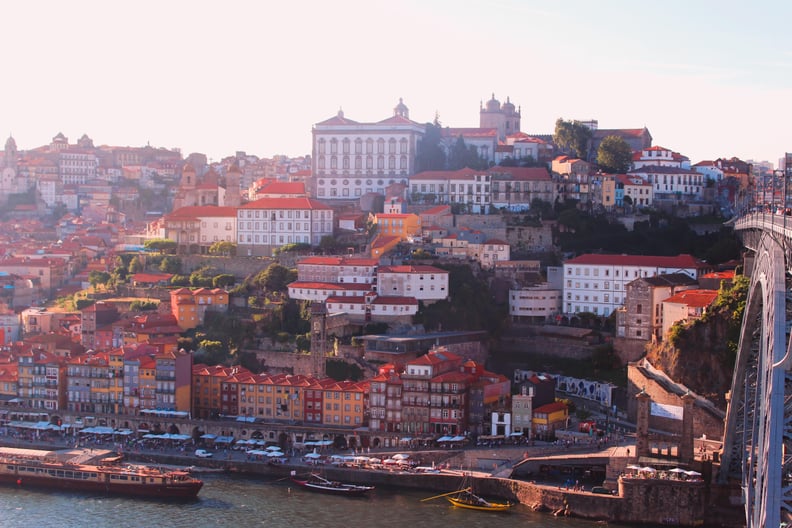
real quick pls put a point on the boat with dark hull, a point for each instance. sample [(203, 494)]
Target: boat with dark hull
[(316, 482), (44, 469)]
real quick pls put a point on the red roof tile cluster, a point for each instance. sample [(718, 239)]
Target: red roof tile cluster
[(694, 298), (683, 261)]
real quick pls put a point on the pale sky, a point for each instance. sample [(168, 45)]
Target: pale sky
[(708, 78)]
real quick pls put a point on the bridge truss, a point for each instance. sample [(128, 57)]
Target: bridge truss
[(757, 449)]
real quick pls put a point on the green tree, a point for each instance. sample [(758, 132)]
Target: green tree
[(223, 280), (170, 264), (275, 278), (614, 155), (161, 245), (135, 265), (462, 156), (430, 155), (96, 278), (224, 248), (143, 306), (180, 280), (328, 244), (211, 352), (573, 137)]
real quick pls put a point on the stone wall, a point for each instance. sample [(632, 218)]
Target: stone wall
[(548, 346), (239, 267), (629, 350), (705, 422)]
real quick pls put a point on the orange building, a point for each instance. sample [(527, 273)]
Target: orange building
[(190, 306), (402, 225)]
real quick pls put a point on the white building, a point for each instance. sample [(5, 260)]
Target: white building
[(535, 302), (321, 291), (373, 306), (425, 283), (638, 190), (672, 182), (709, 169), (269, 223), (512, 188), (659, 157), (490, 252), (200, 226), (351, 159), (77, 166), (343, 270), (596, 283)]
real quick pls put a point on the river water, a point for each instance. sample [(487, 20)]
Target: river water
[(240, 501)]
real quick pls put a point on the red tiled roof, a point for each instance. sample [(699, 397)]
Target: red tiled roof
[(282, 188), (411, 269), (330, 286), (338, 119), (285, 203), (551, 408), (694, 298), (680, 261), (195, 211), (438, 209), (397, 120), (468, 132), (338, 261)]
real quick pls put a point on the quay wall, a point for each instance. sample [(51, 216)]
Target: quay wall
[(650, 501)]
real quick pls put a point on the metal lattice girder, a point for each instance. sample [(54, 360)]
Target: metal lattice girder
[(757, 419)]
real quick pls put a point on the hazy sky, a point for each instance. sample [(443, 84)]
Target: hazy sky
[(708, 78)]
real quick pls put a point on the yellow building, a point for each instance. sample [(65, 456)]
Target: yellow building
[(547, 419), (190, 306), (402, 225), (343, 403), (382, 244)]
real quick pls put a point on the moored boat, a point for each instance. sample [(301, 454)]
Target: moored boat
[(316, 482), (468, 499), (44, 469), (465, 498)]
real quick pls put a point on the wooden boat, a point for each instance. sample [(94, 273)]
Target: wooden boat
[(316, 482), (41, 469), (465, 498), (468, 499)]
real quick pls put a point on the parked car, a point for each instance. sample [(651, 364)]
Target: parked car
[(601, 490), (203, 453)]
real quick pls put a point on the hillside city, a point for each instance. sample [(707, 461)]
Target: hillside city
[(405, 279)]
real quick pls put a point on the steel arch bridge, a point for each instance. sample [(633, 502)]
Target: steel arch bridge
[(757, 447)]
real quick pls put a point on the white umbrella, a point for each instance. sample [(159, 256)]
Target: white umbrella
[(693, 473), (677, 470), (401, 456)]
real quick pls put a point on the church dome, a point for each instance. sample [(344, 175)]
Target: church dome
[(508, 106), (401, 109), (10, 144), (493, 105)]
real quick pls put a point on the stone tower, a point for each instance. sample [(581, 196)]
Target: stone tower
[(401, 110), (686, 450), (233, 196), (642, 448), (505, 118), (11, 153), (318, 339)]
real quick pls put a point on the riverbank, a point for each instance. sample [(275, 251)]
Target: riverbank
[(643, 502)]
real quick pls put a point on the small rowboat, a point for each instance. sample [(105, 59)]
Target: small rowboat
[(471, 501)]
